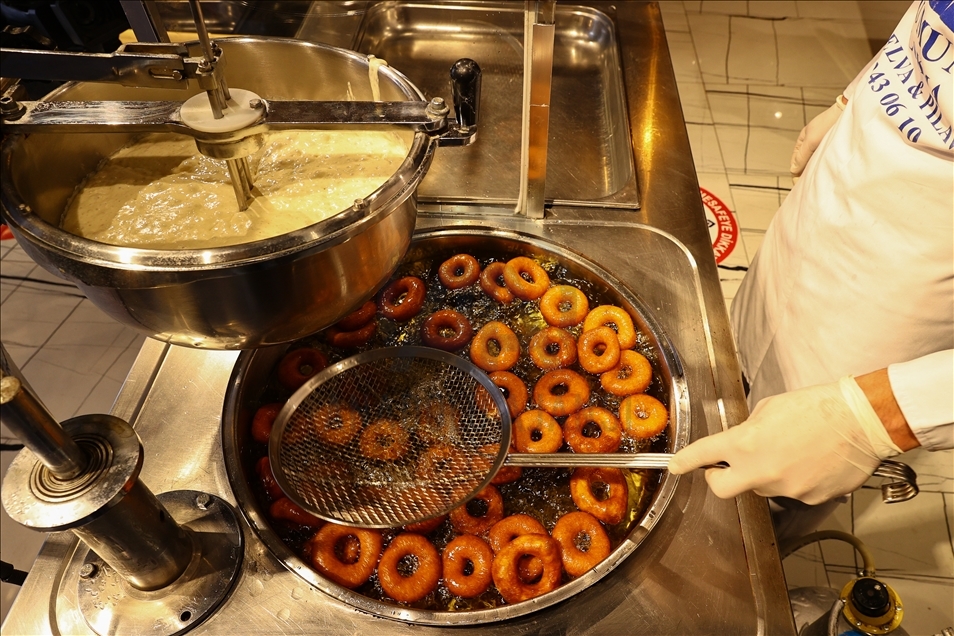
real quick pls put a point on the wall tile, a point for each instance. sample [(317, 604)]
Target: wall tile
[(710, 35), (695, 103), (773, 9), (935, 469), (756, 206), (752, 56), (770, 151), (706, 151), (729, 107), (674, 16), (927, 604), (820, 53), (725, 7), (733, 140), (910, 537)]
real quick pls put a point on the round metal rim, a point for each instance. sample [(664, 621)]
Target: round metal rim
[(330, 231), (680, 414), (278, 428)]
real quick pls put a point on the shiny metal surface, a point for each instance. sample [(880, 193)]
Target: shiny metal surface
[(269, 291), (214, 547), (27, 417), (590, 153), (254, 367), (709, 566)]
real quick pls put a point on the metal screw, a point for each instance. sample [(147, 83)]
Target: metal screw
[(358, 204), (205, 65), (255, 103), (437, 107), (11, 108), (203, 501), (88, 571), (177, 75), (23, 207)]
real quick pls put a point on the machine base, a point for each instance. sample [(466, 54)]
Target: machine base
[(110, 605)]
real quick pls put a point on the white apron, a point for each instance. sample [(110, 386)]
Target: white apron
[(856, 271)]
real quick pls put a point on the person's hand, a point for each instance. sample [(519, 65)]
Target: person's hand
[(812, 135), (813, 444)]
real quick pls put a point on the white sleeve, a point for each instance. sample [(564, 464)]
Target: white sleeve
[(924, 389)]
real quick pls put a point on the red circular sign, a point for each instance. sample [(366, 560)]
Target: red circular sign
[(723, 229)]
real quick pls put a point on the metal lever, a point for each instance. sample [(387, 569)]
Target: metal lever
[(465, 76)]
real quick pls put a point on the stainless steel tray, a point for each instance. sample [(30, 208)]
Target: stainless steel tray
[(590, 158)]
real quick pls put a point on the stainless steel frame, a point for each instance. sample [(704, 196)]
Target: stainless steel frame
[(708, 566)]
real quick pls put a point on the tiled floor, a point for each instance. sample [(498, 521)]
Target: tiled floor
[(750, 75)]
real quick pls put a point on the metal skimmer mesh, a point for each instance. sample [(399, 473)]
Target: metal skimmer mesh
[(390, 437)]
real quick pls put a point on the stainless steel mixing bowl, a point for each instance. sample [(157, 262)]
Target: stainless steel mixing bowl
[(237, 297)]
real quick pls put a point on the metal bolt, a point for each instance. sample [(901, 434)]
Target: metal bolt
[(205, 65), (88, 571), (10, 108), (23, 207), (177, 75), (255, 103), (358, 204), (203, 501), (437, 108)]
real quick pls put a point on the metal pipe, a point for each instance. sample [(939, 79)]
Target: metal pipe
[(139, 539), (32, 423), (201, 31)]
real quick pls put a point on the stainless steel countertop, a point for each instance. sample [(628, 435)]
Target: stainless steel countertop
[(709, 565)]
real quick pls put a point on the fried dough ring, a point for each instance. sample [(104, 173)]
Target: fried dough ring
[(358, 318), (384, 440), (533, 286), (643, 416), (514, 390), (466, 523), (567, 530), (633, 374), (610, 433), (613, 316), (336, 423), (459, 271), (463, 550), (509, 528), (435, 327), (353, 339), (426, 526), (575, 393), (322, 550), (422, 581), (537, 424), (263, 468), (299, 365), (402, 300), (490, 282), (506, 339), (287, 510), (598, 350), (506, 573), (263, 420), (609, 510), (550, 338), (564, 306)]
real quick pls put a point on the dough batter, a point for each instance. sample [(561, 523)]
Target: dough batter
[(160, 193)]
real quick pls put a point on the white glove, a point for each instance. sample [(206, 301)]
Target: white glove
[(813, 444), (812, 135)]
